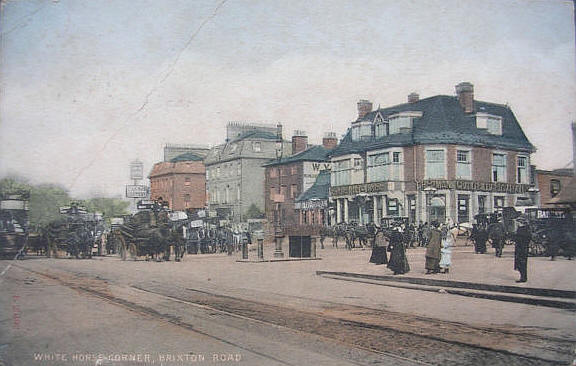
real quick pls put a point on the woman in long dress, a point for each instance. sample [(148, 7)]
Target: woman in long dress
[(433, 250), (448, 240), (398, 262)]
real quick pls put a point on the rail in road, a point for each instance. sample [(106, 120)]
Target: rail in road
[(402, 338)]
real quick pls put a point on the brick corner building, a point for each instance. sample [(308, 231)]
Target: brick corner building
[(433, 159), (181, 182)]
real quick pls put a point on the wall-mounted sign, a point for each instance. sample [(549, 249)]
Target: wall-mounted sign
[(311, 205), (358, 188), (136, 191), (467, 185), (460, 185), (136, 170)]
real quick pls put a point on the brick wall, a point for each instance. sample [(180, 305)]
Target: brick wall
[(292, 177)]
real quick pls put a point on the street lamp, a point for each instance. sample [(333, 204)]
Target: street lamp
[(533, 192), (429, 191), (278, 233)]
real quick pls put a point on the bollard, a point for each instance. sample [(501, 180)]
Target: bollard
[(245, 249), (261, 249), (313, 247)]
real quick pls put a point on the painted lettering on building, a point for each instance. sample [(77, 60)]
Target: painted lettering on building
[(466, 185)]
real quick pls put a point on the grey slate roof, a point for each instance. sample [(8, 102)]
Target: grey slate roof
[(186, 157), (443, 122), (256, 134), (319, 190), (314, 153)]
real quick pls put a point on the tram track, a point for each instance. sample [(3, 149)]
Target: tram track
[(337, 324)]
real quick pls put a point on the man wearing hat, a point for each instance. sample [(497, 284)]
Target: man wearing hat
[(523, 237)]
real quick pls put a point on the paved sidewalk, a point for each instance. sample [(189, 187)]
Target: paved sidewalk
[(466, 265)]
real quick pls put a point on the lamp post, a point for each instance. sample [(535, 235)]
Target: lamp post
[(278, 233), (533, 192), (429, 191)]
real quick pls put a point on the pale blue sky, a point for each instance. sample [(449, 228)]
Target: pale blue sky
[(76, 73)]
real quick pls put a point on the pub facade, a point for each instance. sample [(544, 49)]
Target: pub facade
[(435, 159)]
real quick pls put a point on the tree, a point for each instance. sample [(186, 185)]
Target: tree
[(14, 185), (254, 212), (45, 203), (109, 207)]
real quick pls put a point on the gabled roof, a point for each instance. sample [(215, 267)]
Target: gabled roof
[(314, 153), (319, 190), (443, 121)]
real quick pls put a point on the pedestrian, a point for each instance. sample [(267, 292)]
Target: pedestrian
[(523, 237), (481, 239), (433, 250), (448, 240), (425, 234), (379, 255), (497, 235), (398, 262)]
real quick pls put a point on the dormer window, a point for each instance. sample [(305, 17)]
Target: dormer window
[(381, 126), (492, 124), (361, 131), (402, 122)]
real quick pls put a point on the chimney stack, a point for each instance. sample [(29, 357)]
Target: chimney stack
[(364, 107), (330, 141), (465, 93), (413, 97), (279, 131), (299, 142)]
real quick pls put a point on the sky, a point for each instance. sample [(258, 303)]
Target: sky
[(87, 86)]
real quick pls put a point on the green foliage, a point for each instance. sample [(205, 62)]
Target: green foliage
[(109, 207), (45, 203), (13, 185), (46, 200), (254, 212)]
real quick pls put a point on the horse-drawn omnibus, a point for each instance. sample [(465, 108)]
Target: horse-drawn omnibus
[(13, 224)]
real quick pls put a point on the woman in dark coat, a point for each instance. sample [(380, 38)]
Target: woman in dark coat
[(398, 262), (433, 250), (379, 255)]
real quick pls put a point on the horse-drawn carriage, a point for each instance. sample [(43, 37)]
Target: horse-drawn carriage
[(553, 232), (152, 233), (13, 224)]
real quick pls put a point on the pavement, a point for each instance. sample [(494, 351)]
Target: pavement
[(304, 284)]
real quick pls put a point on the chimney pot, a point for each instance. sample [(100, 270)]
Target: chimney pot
[(413, 97), (364, 107), (299, 141), (330, 140), (465, 94)]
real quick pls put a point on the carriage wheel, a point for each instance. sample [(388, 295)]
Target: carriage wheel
[(536, 248), (509, 241)]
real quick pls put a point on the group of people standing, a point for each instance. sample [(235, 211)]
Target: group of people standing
[(439, 249), (438, 252)]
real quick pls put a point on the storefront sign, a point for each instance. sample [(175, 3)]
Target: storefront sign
[(311, 205), (358, 188), (466, 185), (461, 185)]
